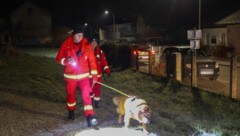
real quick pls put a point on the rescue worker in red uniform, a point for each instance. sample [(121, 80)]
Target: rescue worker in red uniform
[(77, 57), (102, 65)]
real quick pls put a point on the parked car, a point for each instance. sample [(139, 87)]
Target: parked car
[(142, 51), (206, 67)]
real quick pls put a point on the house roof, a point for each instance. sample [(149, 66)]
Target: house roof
[(233, 18), (29, 4), (222, 17)]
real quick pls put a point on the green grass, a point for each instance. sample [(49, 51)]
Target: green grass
[(38, 76), (176, 109)]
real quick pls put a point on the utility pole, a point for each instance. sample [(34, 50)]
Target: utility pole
[(199, 14), (194, 56), (114, 25)]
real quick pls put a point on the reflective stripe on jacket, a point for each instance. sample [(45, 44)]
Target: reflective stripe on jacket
[(102, 63), (83, 55)]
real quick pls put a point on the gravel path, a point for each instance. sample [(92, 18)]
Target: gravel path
[(28, 116)]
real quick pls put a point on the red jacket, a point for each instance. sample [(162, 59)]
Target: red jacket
[(85, 62), (102, 63)]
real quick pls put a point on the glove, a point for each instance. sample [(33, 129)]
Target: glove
[(95, 79), (107, 71)]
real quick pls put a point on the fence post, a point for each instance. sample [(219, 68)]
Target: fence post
[(179, 66), (194, 69), (150, 62), (137, 60), (233, 77)]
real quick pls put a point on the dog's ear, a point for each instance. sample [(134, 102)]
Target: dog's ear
[(116, 101)]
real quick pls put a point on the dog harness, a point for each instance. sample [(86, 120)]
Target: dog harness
[(133, 106)]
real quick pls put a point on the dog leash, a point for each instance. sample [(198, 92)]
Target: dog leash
[(113, 89)]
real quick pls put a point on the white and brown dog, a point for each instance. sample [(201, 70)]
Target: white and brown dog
[(132, 107)]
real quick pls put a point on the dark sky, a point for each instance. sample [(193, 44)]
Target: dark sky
[(163, 12)]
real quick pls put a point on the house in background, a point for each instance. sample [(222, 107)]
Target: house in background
[(5, 35), (124, 33), (130, 32), (147, 33), (31, 25), (215, 37)]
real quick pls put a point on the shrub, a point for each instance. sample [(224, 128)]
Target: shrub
[(117, 56)]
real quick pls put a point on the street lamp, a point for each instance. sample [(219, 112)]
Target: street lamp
[(114, 25), (90, 28), (199, 14)]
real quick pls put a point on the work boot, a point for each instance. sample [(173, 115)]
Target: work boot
[(96, 104), (71, 114), (91, 121)]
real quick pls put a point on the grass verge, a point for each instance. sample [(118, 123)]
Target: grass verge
[(176, 109)]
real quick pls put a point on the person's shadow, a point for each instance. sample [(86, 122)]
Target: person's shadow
[(18, 107)]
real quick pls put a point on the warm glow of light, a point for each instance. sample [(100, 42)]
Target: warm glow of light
[(135, 53), (106, 12), (113, 132), (152, 52)]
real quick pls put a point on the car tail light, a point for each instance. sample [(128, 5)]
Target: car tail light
[(135, 52), (152, 52)]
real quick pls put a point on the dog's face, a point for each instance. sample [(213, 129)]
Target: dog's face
[(145, 114)]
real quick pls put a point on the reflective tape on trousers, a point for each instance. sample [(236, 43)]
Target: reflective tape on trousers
[(79, 76)]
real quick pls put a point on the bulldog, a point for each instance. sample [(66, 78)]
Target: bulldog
[(132, 108)]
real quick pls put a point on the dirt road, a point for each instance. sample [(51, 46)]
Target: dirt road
[(23, 116)]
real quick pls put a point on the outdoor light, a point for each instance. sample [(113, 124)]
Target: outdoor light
[(106, 12), (89, 26), (114, 24), (135, 53)]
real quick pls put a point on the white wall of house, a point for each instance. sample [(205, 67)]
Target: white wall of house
[(122, 33), (215, 36), (102, 35)]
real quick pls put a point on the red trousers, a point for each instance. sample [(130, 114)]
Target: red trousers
[(84, 85), (96, 92)]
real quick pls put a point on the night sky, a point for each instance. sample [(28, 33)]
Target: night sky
[(164, 12)]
